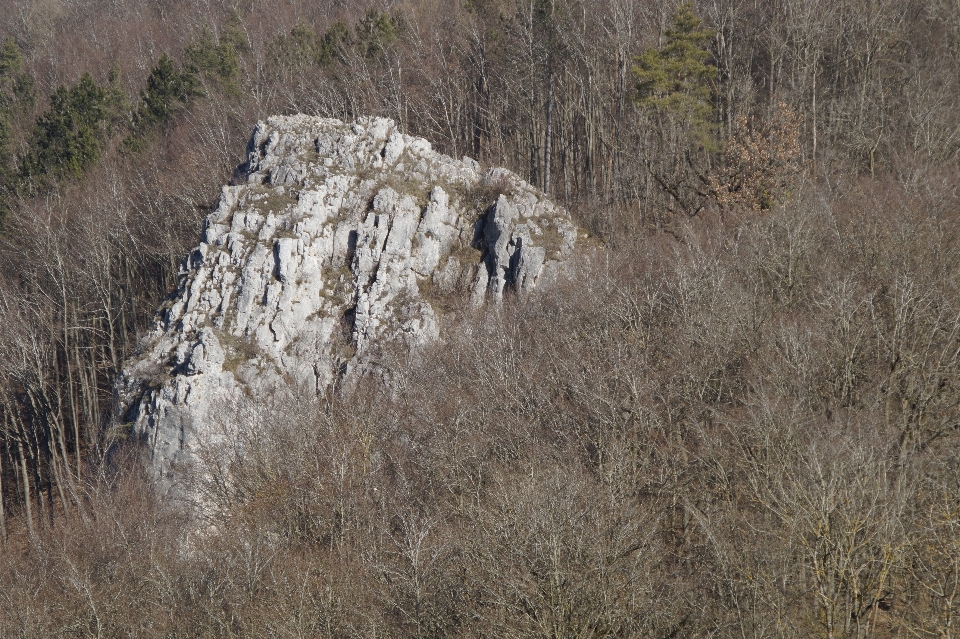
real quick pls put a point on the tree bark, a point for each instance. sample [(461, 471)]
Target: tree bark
[(3, 515), (548, 144), (26, 488)]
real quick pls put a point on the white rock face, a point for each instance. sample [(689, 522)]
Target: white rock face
[(340, 243)]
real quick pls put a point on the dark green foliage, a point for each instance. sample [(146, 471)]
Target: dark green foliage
[(375, 32), (6, 154), (679, 78), (117, 105), (168, 89), (301, 48), (16, 87), (68, 137), (205, 56), (217, 58), (304, 46), (16, 94), (332, 45), (10, 58)]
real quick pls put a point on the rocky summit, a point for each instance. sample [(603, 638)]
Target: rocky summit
[(335, 241)]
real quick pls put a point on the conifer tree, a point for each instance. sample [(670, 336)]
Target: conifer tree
[(296, 49), (217, 58), (375, 32), (331, 47), (679, 78), (368, 38), (16, 86), (16, 93), (67, 138), (675, 88), (168, 89)]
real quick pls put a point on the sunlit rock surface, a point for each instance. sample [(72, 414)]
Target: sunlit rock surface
[(343, 240)]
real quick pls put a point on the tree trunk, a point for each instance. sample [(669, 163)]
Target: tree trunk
[(70, 387), (3, 517), (26, 488), (549, 135)]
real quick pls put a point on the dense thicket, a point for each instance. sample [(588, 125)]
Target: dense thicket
[(739, 417)]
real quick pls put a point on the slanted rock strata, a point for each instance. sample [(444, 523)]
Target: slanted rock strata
[(326, 253)]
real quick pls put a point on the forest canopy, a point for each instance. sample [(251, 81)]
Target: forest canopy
[(739, 417)]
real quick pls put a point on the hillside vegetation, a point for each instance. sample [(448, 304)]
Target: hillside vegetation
[(736, 417)]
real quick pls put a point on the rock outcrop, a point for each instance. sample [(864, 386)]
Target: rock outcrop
[(340, 240)]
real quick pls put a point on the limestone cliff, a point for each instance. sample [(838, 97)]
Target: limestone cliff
[(341, 240)]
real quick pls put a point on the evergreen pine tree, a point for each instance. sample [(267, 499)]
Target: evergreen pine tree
[(217, 58), (375, 32), (168, 89), (16, 87), (67, 138), (679, 78), (16, 94), (331, 47)]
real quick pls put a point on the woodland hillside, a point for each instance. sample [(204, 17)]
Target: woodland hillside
[(738, 416)]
